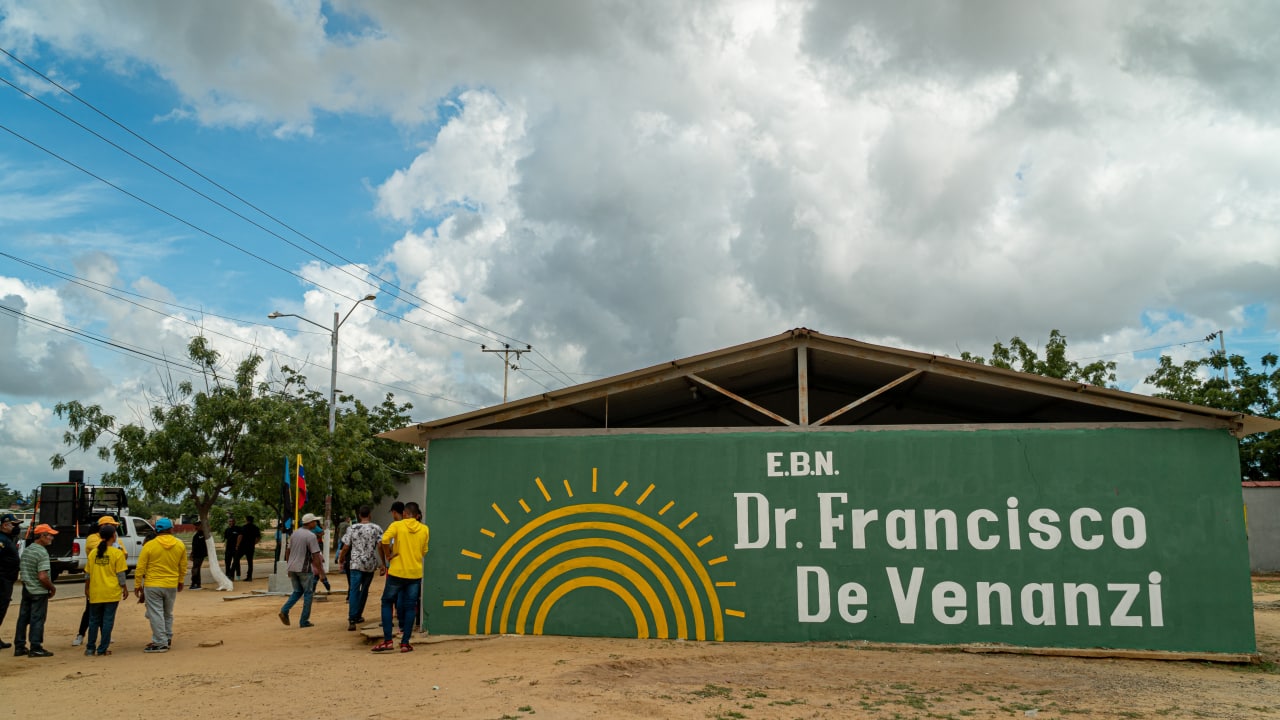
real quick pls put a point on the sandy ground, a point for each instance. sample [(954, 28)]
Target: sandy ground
[(235, 659)]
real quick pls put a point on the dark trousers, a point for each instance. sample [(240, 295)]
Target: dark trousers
[(196, 562), (6, 597), (84, 617), (31, 615), (248, 564), (233, 566)]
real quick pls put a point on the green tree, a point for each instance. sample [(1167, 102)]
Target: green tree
[(8, 496), (200, 444), (352, 465), (1024, 358), (1243, 390), (224, 447)]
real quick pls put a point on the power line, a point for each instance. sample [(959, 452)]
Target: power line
[(1157, 347), (154, 356), (217, 237), (226, 190), (103, 288)]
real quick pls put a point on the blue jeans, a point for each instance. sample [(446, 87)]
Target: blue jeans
[(31, 615), (402, 594), (304, 586), (358, 582), (102, 616)]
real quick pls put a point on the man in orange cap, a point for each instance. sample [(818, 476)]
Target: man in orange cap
[(37, 589)]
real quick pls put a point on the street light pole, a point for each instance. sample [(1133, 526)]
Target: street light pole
[(333, 405)]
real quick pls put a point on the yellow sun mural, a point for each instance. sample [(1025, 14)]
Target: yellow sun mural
[(608, 539)]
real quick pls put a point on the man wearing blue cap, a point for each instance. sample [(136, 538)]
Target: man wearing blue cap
[(158, 578)]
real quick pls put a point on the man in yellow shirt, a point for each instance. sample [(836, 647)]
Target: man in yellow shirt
[(104, 587), (404, 544), (158, 578)]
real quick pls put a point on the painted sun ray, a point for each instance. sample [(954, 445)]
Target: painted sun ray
[(501, 514), (543, 489), (644, 495), (594, 478), (734, 613), (525, 506), (726, 583), (568, 489), (455, 603), (667, 507), (475, 555), (464, 576), (705, 540), (621, 487), (717, 561), (686, 521)]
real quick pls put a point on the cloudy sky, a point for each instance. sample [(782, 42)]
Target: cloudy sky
[(618, 184)]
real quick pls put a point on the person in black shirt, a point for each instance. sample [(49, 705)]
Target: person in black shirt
[(249, 537), (8, 564), (231, 552), (198, 554)]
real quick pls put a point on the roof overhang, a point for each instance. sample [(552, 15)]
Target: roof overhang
[(803, 379)]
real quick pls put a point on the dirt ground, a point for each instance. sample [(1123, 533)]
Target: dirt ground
[(235, 659)]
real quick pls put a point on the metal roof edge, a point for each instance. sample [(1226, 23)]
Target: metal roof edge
[(1243, 424)]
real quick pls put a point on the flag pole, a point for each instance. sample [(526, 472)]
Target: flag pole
[(298, 493)]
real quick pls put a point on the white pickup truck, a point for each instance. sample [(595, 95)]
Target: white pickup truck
[(130, 535)]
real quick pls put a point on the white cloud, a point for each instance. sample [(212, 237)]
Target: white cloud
[(620, 183)]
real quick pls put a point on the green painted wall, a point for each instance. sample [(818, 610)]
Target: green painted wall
[(1100, 538)]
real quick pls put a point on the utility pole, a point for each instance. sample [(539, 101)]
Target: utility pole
[(506, 351), (1222, 347)]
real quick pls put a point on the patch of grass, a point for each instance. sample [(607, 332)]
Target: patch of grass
[(757, 694), (1018, 707), (730, 715), (792, 701), (710, 690), (525, 708), (1267, 667), (1129, 713)]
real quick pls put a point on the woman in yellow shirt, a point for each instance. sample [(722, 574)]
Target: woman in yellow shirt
[(104, 586)]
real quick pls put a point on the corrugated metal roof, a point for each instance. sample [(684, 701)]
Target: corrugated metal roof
[(804, 379)]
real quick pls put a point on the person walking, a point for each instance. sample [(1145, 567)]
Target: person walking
[(362, 559), (250, 534), (104, 585), (305, 564), (199, 553), (158, 580), (404, 545), (9, 561), (37, 590)]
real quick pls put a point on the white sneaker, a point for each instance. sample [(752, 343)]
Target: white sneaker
[(79, 639)]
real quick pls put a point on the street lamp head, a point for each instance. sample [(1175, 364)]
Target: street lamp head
[(369, 297), (274, 315)]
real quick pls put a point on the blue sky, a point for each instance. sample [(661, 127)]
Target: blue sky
[(621, 185)]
